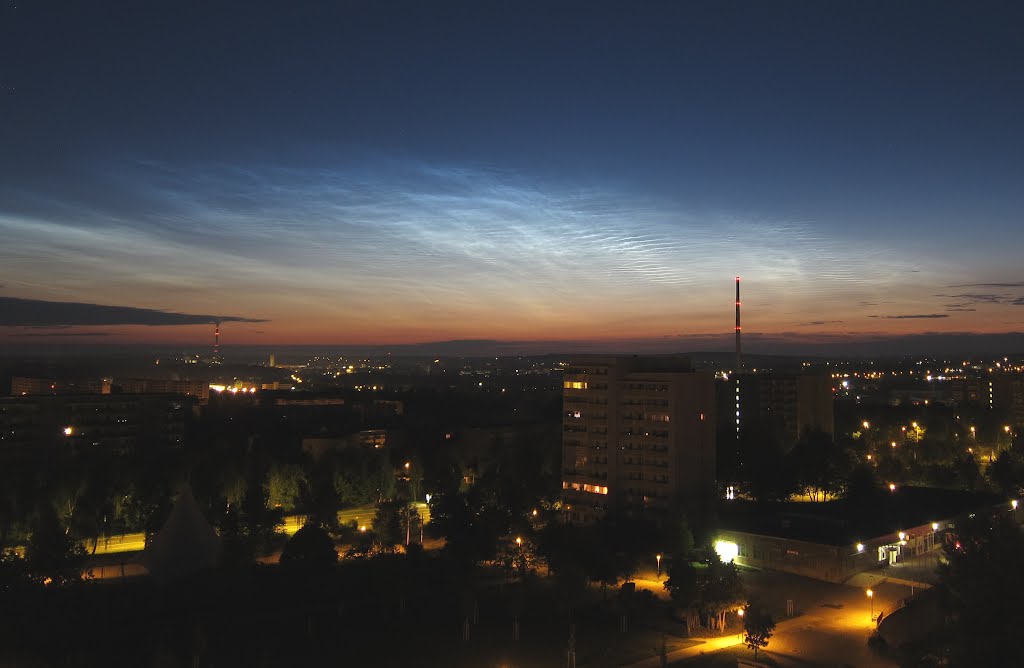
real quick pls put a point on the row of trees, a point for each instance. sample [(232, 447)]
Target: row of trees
[(823, 467)]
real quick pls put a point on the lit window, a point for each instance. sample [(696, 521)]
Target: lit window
[(726, 550), (574, 385)]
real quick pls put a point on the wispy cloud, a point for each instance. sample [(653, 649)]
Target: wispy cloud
[(911, 316), (15, 312), (73, 335), (419, 247), (972, 298)]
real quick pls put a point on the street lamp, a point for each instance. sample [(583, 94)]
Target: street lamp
[(658, 557), (866, 424), (871, 597), (519, 541)]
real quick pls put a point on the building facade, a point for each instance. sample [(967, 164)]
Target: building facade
[(787, 404), (638, 435), (112, 422)]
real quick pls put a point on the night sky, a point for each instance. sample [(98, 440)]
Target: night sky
[(376, 172)]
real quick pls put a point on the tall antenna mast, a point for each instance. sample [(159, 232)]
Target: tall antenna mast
[(739, 346), (216, 339)]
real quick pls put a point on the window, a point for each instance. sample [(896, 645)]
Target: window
[(574, 385)]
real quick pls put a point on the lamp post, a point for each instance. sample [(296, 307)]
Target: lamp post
[(658, 557), (871, 597)]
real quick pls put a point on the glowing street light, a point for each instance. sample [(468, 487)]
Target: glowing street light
[(860, 547), (1013, 504), (892, 487), (519, 541), (871, 597), (866, 424), (68, 431), (658, 557)]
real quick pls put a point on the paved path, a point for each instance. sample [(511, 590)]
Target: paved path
[(704, 646), (831, 626)]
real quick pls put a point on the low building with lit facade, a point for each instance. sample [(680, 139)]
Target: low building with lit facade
[(189, 388), (834, 541), (638, 435), (22, 386)]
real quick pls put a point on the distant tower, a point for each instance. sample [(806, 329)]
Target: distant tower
[(272, 360), (739, 358), (739, 347), (216, 341)]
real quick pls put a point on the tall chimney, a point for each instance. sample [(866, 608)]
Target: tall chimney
[(739, 346)]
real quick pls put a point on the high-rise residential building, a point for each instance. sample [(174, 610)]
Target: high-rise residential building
[(1002, 392), (638, 435), (779, 405)]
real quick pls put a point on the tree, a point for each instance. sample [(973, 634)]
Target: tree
[(981, 586), (682, 588), (822, 464), (388, 522), (863, 489), (284, 484), (310, 547), (766, 471), (53, 557), (679, 538), (14, 575), (721, 590), (758, 627), (519, 556)]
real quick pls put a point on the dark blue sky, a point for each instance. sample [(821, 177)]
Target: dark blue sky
[(409, 171)]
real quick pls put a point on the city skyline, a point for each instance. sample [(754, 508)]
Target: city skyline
[(577, 175)]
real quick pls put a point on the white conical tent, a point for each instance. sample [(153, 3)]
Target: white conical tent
[(185, 544)]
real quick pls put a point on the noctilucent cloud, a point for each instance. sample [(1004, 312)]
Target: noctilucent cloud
[(388, 173)]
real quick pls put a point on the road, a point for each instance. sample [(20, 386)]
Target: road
[(831, 625), (136, 542)]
